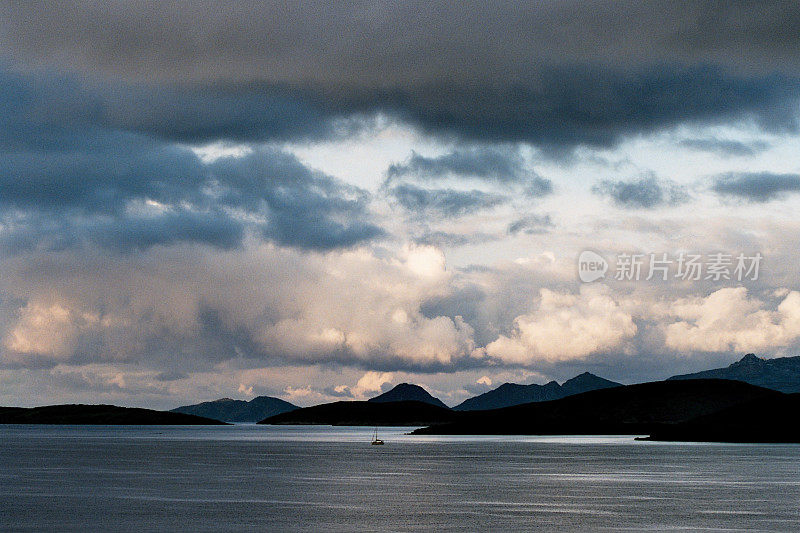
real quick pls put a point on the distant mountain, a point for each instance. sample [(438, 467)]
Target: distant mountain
[(509, 394), (781, 374), (769, 419), (625, 410), (406, 392), (367, 414), (97, 414), (587, 382), (229, 410)]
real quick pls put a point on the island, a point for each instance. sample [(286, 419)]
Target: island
[(403, 413), (99, 415), (639, 409)]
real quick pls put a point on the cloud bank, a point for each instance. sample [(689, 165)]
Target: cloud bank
[(210, 198)]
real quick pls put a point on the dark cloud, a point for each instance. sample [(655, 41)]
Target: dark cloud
[(643, 193), (235, 113), (530, 225), (303, 208), (65, 180), (570, 74), (137, 233), (444, 202), (100, 178), (725, 147), (499, 165), (56, 110), (756, 186), (370, 43), (88, 196), (496, 164), (568, 106), (123, 232), (558, 108)]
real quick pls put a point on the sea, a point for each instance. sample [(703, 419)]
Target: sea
[(319, 478)]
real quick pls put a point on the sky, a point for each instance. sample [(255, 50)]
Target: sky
[(317, 202)]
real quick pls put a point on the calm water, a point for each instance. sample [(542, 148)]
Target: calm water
[(257, 478)]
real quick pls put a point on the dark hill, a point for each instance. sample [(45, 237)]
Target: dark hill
[(510, 394), (97, 414), (366, 414), (771, 419), (406, 392), (782, 373), (229, 410), (633, 409)]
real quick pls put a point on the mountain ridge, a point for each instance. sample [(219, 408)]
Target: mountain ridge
[(780, 373), (510, 394), (229, 410)]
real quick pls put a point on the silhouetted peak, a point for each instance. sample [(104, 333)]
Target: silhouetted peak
[(586, 382), (750, 359), (231, 410), (404, 392), (588, 377), (582, 378), (407, 388)]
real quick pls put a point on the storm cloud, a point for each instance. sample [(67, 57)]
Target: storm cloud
[(335, 42), (212, 70), (68, 175), (133, 195)]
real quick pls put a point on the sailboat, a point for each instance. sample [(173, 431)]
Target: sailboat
[(375, 439)]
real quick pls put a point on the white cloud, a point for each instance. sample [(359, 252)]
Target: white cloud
[(43, 329), (260, 302), (728, 320), (371, 382), (364, 308), (295, 394), (566, 326), (50, 331), (276, 320)]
